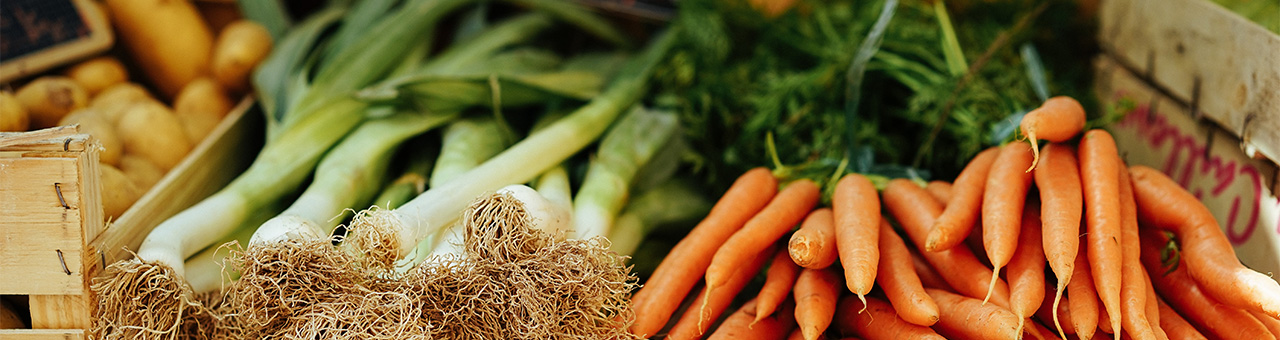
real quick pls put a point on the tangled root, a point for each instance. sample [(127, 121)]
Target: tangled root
[(373, 235), (517, 282), (139, 300)]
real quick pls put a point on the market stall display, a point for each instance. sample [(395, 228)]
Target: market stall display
[(532, 169)]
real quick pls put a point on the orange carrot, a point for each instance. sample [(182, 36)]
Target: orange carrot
[(1099, 167), (1133, 292), (961, 213), (1034, 330), (1046, 312), (915, 210), (1175, 325), (857, 224), (1208, 255), (878, 322), (929, 278), (1104, 323), (1002, 205), (688, 260), (1026, 270), (1153, 303), (710, 304), (1057, 120), (940, 190), (778, 281), (814, 244), (776, 219), (1272, 324), (1215, 319), (745, 324), (899, 280), (964, 317), (1083, 302), (1061, 207), (816, 291)]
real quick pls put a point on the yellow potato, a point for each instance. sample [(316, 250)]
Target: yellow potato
[(92, 123), (150, 130), (49, 98), (112, 102), (141, 171), (118, 192), (240, 47), (98, 74), (169, 38), (201, 106), (13, 116)]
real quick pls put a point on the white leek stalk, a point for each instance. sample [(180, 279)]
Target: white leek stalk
[(627, 147)]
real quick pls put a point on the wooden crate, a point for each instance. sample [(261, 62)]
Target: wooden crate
[(53, 240), (1205, 87)]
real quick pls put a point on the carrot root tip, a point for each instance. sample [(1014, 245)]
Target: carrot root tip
[(864, 303), (1035, 149), (1056, 299), (995, 275)]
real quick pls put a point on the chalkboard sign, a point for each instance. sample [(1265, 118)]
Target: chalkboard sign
[(36, 35)]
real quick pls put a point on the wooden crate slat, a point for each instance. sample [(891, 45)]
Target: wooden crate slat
[(38, 235), (42, 334), (60, 311), (1205, 56)]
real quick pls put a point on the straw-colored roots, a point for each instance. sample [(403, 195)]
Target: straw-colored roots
[(516, 282), (138, 300), (308, 289)]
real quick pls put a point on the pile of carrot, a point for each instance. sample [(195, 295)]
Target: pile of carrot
[(1055, 241)]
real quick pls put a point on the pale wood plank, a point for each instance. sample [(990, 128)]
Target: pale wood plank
[(60, 311), (42, 334), (1205, 56)]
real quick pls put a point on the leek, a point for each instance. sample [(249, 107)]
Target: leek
[(627, 147)]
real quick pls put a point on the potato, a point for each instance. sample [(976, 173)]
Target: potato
[(201, 106), (150, 130), (141, 171), (240, 47), (98, 74), (93, 124), (49, 98), (13, 116), (169, 38), (112, 102), (118, 192)]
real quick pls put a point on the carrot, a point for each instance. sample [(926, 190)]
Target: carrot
[(962, 210), (1208, 255), (1175, 325), (745, 324), (916, 211), (816, 291), (776, 219), (1002, 205), (964, 317), (857, 218), (688, 260), (778, 281), (929, 278), (1099, 167), (900, 282), (1083, 303), (940, 190), (1153, 303), (1060, 211), (1026, 270), (1034, 330), (1215, 319), (1057, 120), (1133, 292), (1104, 322), (1047, 310), (814, 244), (1272, 324), (693, 325), (876, 320)]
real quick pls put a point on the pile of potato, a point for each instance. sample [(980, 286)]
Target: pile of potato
[(141, 137)]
